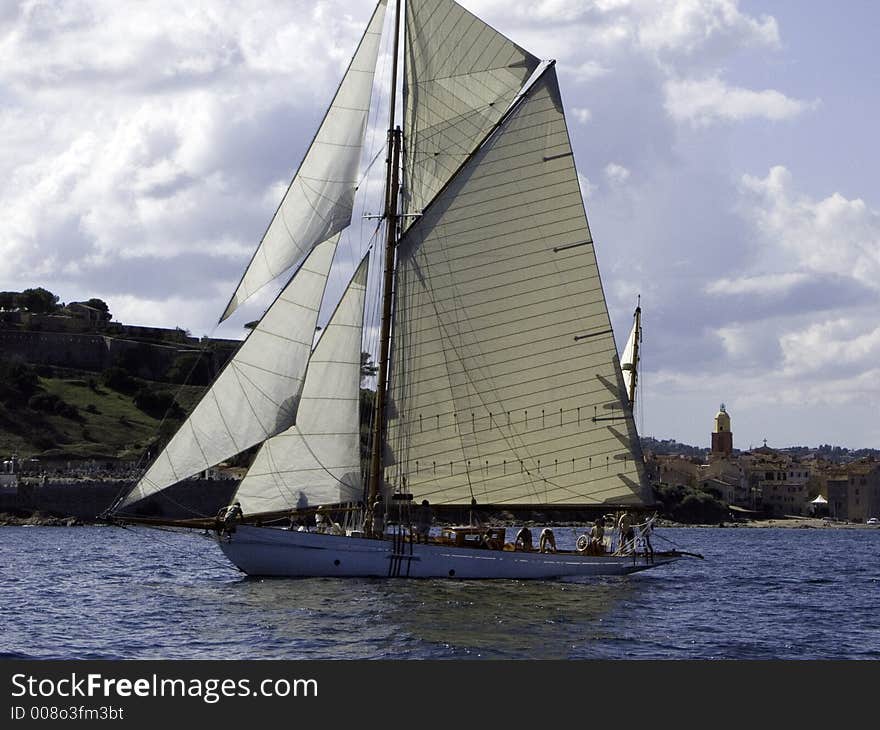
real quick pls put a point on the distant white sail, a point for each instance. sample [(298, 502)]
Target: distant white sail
[(629, 360), (319, 201), (318, 459), (461, 76), (506, 381), (257, 393)]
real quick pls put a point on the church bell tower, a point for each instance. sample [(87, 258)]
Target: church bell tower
[(722, 436)]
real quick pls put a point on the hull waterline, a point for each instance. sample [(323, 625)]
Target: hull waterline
[(271, 552)]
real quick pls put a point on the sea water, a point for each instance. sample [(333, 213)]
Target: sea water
[(138, 593)]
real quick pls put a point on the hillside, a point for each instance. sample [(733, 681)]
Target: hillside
[(47, 412)]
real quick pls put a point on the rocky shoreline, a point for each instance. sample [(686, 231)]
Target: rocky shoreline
[(42, 520)]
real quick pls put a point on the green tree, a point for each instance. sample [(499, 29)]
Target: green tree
[(689, 505), (192, 368), (18, 382), (119, 380), (39, 301), (157, 403), (100, 304), (368, 367)]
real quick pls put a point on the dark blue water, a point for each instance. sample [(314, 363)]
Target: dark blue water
[(112, 593)]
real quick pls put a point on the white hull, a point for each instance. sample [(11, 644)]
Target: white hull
[(264, 551)]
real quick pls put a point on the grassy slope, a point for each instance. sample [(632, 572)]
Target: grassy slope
[(118, 429)]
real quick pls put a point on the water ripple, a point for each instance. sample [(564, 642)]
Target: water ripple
[(102, 593)]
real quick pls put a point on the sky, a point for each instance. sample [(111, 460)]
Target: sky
[(727, 153)]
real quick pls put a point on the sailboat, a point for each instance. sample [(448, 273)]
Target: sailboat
[(498, 385), (629, 361)]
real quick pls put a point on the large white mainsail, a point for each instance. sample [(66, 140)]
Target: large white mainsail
[(319, 201), (318, 459), (461, 76), (257, 393), (506, 382)]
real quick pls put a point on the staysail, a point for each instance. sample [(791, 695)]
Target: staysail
[(257, 393), (319, 201), (506, 383), (317, 460), (461, 76)]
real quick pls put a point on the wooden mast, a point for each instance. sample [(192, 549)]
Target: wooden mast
[(392, 189)]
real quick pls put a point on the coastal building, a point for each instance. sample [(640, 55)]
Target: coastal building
[(854, 491), (776, 482), (676, 469)]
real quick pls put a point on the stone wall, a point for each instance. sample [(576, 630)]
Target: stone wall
[(87, 499), (96, 353)]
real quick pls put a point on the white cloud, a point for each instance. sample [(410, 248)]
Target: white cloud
[(761, 284), (159, 312), (581, 114), (701, 102), (156, 131), (735, 340), (834, 235), (831, 345), (589, 71), (616, 174), (688, 25), (662, 27), (588, 189)]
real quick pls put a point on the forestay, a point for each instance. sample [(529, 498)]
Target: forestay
[(461, 76), (318, 459), (257, 393), (506, 382), (319, 201)]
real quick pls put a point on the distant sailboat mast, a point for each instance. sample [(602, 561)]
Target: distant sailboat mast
[(392, 190), (630, 361)]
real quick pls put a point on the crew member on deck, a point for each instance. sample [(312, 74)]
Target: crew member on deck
[(523, 539), (597, 537), (424, 518), (645, 531), (231, 517), (627, 534), (322, 519), (378, 511), (547, 541)]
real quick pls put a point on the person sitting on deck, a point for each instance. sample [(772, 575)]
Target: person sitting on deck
[(322, 519), (597, 537), (547, 541), (523, 539)]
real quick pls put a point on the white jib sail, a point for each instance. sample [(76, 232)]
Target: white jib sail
[(320, 198), (317, 460), (256, 394), (506, 382), (461, 76)]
